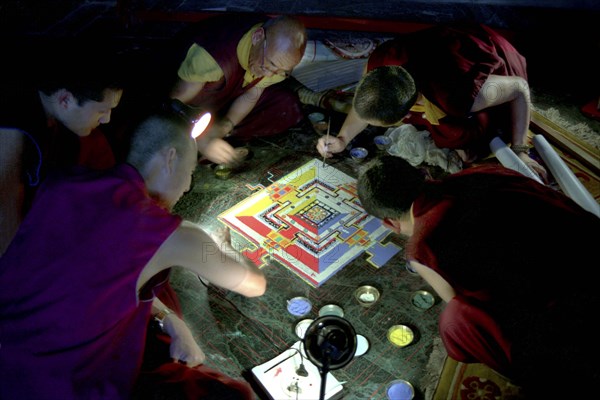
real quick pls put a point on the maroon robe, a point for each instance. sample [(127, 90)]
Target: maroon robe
[(449, 66), (278, 108), (505, 244)]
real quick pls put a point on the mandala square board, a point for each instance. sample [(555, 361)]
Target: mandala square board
[(311, 221)]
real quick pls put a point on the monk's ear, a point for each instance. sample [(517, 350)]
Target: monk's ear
[(65, 98), (391, 223), (170, 159)]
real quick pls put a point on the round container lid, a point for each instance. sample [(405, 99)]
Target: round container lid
[(302, 326), (299, 306), (362, 345), (331, 309), (400, 335), (400, 389)]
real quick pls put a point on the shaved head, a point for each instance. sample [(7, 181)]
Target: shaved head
[(287, 34)]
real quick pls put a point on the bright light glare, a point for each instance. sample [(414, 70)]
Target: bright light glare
[(201, 125)]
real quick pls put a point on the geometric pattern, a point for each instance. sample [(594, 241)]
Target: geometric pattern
[(311, 221)]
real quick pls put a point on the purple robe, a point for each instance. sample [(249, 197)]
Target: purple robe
[(71, 322)]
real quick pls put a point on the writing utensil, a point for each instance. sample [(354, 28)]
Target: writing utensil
[(327, 140)]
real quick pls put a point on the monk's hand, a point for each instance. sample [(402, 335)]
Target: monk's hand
[(327, 146), (217, 150), (534, 166), (184, 348)]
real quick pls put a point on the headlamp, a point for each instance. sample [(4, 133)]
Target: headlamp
[(196, 117)]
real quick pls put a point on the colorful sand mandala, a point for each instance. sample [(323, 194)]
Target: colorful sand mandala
[(311, 221)]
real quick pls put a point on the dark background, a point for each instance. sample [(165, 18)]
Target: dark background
[(560, 38)]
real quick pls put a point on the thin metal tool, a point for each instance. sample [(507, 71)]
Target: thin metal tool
[(326, 141)]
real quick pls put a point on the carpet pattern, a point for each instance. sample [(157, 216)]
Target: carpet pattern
[(577, 144), (460, 381)]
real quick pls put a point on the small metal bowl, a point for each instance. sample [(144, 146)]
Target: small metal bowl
[(223, 171), (400, 335), (358, 154), (321, 127), (366, 295), (316, 117), (331, 309), (382, 142), (318, 122), (422, 300), (299, 306)]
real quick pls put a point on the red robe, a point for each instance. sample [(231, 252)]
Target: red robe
[(505, 244), (449, 66)]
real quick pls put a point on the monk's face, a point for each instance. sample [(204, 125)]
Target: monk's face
[(82, 118), (273, 57)]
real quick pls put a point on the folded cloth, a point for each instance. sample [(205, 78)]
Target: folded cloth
[(417, 147)]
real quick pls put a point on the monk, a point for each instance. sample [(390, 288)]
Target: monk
[(233, 66), (512, 260), (80, 280), (50, 118), (465, 85)]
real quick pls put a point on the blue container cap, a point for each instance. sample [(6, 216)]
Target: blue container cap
[(358, 152), (400, 390), (382, 140)]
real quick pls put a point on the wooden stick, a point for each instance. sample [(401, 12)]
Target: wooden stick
[(565, 140), (327, 140)]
